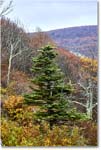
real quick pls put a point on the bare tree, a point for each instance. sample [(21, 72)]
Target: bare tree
[(5, 9), (15, 46), (69, 64), (12, 56), (88, 93), (40, 39), (88, 84), (18, 47)]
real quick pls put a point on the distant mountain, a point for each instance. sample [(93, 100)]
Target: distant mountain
[(81, 40)]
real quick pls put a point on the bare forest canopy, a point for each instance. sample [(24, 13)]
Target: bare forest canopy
[(81, 41)]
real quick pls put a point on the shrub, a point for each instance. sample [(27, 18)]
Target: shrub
[(10, 133), (15, 135), (17, 111), (89, 131)]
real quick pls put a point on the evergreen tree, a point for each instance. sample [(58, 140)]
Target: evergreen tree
[(50, 91)]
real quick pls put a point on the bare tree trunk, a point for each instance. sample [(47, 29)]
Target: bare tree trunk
[(9, 65), (89, 103), (11, 57)]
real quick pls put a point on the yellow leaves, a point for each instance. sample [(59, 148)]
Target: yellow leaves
[(88, 60), (13, 105), (75, 134), (89, 64), (13, 102), (47, 142), (9, 132), (17, 111), (89, 69), (62, 137), (13, 134), (66, 141), (20, 129)]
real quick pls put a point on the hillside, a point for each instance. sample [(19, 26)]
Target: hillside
[(79, 40), (46, 93)]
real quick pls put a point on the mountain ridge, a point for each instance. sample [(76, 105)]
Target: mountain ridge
[(80, 40)]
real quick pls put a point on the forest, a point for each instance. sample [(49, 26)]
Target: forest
[(48, 94), (79, 40)]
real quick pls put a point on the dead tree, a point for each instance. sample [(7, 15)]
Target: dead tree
[(88, 93), (13, 46), (10, 60)]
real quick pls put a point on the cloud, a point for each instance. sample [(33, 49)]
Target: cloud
[(49, 14)]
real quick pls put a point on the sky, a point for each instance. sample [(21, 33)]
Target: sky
[(54, 14)]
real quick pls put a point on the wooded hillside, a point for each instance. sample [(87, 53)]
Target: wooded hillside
[(48, 95)]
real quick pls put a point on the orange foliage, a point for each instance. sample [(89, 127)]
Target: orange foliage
[(13, 102), (21, 129), (18, 111)]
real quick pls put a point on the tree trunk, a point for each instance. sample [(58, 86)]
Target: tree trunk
[(9, 65), (89, 106), (89, 112), (51, 123)]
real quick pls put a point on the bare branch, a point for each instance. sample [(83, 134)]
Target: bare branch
[(19, 53), (16, 43), (79, 103), (81, 86), (16, 54), (95, 105), (6, 9)]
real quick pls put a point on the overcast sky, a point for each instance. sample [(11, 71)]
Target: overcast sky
[(54, 14)]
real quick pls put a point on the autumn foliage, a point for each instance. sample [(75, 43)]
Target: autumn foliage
[(19, 128), (19, 124)]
